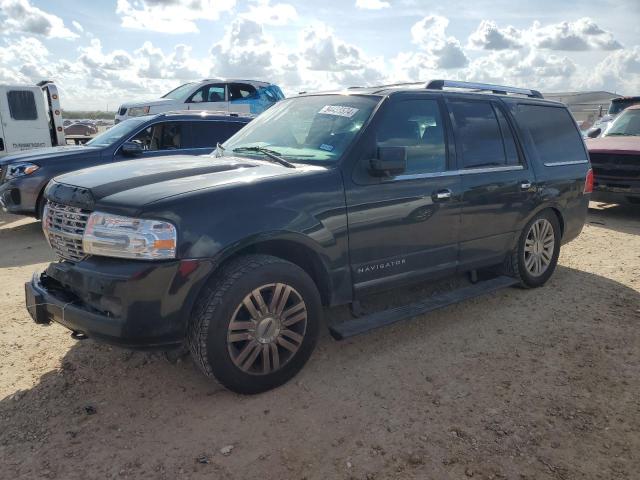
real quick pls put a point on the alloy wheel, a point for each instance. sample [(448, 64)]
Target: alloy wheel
[(538, 247), (267, 329)]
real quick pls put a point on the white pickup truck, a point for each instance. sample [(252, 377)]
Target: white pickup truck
[(30, 117)]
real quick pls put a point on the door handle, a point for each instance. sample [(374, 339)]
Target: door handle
[(442, 195), (525, 185)]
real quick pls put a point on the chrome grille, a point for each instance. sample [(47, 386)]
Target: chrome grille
[(63, 227)]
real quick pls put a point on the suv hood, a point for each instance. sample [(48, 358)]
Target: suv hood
[(41, 155), (128, 186), (615, 144), (151, 103)]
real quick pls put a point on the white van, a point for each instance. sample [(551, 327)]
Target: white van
[(30, 117)]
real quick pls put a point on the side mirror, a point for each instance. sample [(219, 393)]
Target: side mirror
[(131, 149), (390, 161), (593, 133)]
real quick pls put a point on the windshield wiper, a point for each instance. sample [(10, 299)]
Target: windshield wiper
[(618, 134), (271, 154)]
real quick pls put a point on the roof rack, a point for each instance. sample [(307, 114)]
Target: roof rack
[(499, 89)]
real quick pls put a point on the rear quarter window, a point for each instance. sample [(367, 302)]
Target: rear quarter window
[(552, 133)]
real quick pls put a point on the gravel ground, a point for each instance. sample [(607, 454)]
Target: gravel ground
[(520, 384)]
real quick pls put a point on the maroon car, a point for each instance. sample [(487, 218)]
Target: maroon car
[(615, 158)]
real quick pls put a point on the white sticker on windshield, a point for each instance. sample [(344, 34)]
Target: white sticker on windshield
[(338, 110)]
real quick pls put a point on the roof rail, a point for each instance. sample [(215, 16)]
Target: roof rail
[(500, 89)]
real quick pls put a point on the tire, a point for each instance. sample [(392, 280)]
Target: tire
[(518, 263), (220, 349)]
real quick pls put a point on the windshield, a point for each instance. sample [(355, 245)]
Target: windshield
[(616, 106), (115, 133), (315, 128), (626, 124), (179, 93)]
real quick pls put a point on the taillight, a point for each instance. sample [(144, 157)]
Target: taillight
[(588, 182)]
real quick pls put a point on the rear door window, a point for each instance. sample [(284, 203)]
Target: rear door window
[(239, 91), (207, 134), (551, 131), (479, 135), (22, 105)]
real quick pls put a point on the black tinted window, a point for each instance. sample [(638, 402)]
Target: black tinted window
[(552, 131), (22, 105), (416, 125), (478, 134), (208, 134), (208, 94)]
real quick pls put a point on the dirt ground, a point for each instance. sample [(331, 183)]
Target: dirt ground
[(520, 384)]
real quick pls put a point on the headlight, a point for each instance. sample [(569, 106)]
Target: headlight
[(137, 111), (20, 169), (125, 237)]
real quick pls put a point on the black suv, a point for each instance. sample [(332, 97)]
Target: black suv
[(321, 200), (23, 176)]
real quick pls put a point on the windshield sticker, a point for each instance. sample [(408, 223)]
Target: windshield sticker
[(339, 111), (326, 147)]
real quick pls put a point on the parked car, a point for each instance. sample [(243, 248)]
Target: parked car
[(82, 129), (213, 94), (616, 106), (320, 201), (24, 176), (615, 157)]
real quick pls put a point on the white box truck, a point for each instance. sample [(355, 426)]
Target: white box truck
[(30, 117)]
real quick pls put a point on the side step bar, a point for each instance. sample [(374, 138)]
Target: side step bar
[(375, 320)]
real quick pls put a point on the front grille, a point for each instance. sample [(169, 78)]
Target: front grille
[(615, 166), (122, 111), (63, 227)]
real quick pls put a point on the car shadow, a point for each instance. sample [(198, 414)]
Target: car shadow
[(105, 402), (22, 243), (620, 218)]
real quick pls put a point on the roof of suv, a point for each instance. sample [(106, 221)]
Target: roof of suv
[(205, 115), (434, 86)]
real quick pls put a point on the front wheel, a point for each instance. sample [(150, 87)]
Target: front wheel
[(534, 259), (256, 323)]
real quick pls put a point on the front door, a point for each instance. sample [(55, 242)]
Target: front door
[(211, 97), (498, 190), (162, 139), (405, 226)]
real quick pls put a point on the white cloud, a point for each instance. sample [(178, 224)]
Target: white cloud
[(618, 72), (77, 26), (582, 34), (170, 16), (442, 52), (271, 14), (21, 16), (372, 4), (489, 37)]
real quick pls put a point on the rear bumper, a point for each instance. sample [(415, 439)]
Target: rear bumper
[(126, 303)]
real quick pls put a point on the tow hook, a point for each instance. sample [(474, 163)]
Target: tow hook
[(78, 335)]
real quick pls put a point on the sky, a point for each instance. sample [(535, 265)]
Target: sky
[(103, 53)]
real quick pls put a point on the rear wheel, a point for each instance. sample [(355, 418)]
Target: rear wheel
[(534, 259), (256, 324)]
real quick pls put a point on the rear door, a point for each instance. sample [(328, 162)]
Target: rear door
[(212, 97), (404, 227), (25, 124), (498, 188), (242, 97)]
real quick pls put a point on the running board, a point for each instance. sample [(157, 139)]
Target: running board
[(375, 320)]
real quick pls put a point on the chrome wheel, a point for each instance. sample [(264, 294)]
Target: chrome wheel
[(267, 329), (538, 247)]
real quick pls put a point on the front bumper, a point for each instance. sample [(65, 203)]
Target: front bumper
[(20, 195), (127, 303), (622, 195)]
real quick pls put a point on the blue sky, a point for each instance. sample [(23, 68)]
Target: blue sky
[(102, 53)]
